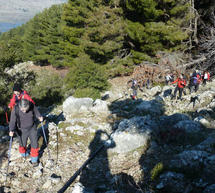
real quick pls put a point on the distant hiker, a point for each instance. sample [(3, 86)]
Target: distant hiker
[(181, 83), (193, 100), (196, 80), (18, 93), (206, 77), (148, 84), (172, 77), (134, 87), (22, 122), (168, 78)]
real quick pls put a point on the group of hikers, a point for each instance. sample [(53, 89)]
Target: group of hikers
[(22, 123), (192, 82)]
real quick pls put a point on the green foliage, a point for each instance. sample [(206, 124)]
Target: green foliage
[(11, 47), (97, 39), (85, 76), (47, 88), (120, 67), (159, 167), (138, 57), (156, 25), (43, 36), (87, 92), (144, 9)]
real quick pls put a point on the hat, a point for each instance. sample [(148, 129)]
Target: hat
[(16, 87)]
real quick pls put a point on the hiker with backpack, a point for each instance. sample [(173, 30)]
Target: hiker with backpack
[(134, 87), (18, 93), (23, 123), (196, 80), (181, 83)]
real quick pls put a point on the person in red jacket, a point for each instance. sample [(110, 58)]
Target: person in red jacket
[(19, 94), (181, 83)]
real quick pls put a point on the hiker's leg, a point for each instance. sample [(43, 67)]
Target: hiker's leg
[(184, 91), (175, 91), (191, 88), (204, 82), (23, 137), (180, 92), (197, 87), (34, 145)]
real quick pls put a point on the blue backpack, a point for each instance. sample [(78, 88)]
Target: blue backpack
[(195, 80)]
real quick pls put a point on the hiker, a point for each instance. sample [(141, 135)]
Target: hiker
[(181, 83), (22, 122), (18, 93), (168, 78), (196, 80), (206, 77), (134, 87), (193, 100)]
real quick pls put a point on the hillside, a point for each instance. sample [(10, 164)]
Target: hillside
[(153, 144)]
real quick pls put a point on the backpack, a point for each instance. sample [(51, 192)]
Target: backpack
[(195, 80)]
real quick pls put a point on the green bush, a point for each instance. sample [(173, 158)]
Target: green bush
[(86, 77), (47, 89), (87, 92)]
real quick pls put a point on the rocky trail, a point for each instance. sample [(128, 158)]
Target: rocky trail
[(157, 145)]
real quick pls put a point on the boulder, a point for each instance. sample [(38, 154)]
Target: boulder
[(100, 107), (72, 105), (133, 133), (188, 126)]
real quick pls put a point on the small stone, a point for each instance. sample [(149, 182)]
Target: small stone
[(38, 173), (47, 185), (55, 178)]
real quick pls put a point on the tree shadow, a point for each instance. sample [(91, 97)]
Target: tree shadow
[(50, 98), (128, 108), (95, 173)]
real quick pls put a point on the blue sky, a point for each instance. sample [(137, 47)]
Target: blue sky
[(16, 12)]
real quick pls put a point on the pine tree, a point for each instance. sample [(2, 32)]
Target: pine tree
[(43, 36), (156, 25), (74, 16)]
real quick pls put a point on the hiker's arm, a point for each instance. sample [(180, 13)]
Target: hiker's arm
[(12, 124), (174, 81), (37, 114)]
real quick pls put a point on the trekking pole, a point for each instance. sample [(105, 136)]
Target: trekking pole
[(6, 116), (9, 153), (44, 134)]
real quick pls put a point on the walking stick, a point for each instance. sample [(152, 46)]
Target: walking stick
[(6, 117), (46, 140), (9, 153)]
